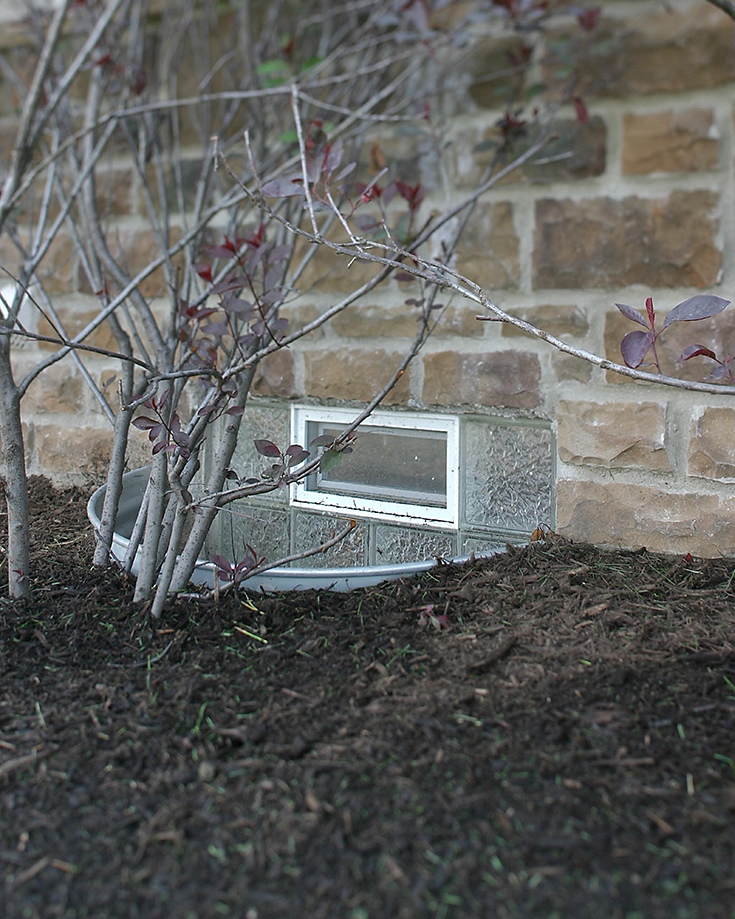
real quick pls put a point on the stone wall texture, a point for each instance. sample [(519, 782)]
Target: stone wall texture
[(634, 199)]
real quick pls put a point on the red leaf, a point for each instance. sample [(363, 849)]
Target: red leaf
[(696, 351), (581, 111), (589, 18), (650, 311)]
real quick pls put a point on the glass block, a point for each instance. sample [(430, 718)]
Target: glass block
[(398, 545), (267, 530), (507, 476), (311, 530), (481, 544), (262, 423)]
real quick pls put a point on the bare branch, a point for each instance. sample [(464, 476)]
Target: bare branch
[(727, 6)]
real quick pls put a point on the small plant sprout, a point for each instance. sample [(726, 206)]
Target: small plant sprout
[(428, 617), (235, 574)]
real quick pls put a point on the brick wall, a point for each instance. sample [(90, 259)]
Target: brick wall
[(642, 205)]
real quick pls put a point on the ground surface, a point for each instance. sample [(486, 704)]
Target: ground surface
[(564, 747)]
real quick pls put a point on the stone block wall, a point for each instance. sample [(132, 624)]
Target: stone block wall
[(637, 200)]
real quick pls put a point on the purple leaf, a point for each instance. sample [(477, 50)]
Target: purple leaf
[(219, 252), (366, 222), (266, 448), (345, 172), (222, 563), (234, 282), (632, 314), (240, 308), (235, 410), (216, 329), (334, 157), (696, 351), (702, 306), (295, 458), (634, 347), (144, 423), (284, 187)]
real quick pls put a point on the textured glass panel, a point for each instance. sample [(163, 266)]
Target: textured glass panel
[(397, 545), (480, 544), (267, 530), (507, 476), (261, 423), (311, 530)]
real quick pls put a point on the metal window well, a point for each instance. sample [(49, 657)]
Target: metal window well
[(421, 486), (276, 579)]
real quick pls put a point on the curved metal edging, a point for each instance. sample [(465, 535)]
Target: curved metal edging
[(276, 579)]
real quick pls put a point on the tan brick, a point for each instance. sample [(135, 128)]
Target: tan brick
[(299, 315), (113, 187), (410, 158), (682, 141), (609, 243), (354, 375), (560, 321), (401, 321), (180, 180), (71, 454), (59, 389), (567, 367), (57, 270), (631, 516), (275, 376), (488, 250), (615, 435), (450, 16), (336, 273), (502, 378), (75, 315), (717, 333), (490, 82), (712, 444), (576, 151), (666, 50), (134, 250)]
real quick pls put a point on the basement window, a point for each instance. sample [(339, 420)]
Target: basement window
[(403, 466)]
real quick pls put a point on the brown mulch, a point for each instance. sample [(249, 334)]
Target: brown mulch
[(564, 747)]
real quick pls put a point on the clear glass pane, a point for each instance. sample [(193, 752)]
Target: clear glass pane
[(401, 465)]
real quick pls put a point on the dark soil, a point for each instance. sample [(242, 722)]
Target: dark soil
[(564, 747)]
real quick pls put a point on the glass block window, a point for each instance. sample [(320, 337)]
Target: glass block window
[(403, 467)]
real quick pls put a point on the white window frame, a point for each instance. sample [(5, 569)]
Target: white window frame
[(303, 496)]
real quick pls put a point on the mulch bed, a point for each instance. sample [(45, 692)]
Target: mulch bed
[(563, 747)]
